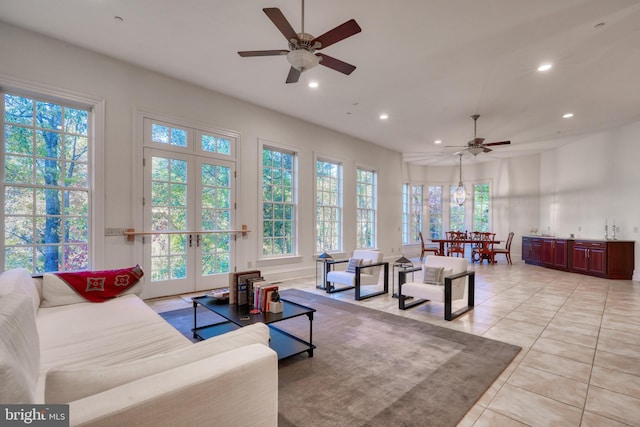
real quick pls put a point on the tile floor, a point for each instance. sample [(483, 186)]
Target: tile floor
[(580, 362)]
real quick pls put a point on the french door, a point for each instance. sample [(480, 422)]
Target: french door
[(189, 204)]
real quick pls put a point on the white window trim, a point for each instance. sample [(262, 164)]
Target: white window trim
[(296, 152), (96, 153), (375, 201), (321, 157)]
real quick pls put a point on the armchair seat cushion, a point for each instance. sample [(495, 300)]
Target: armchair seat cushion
[(346, 278)]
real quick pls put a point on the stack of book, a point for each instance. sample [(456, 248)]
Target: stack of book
[(262, 291)]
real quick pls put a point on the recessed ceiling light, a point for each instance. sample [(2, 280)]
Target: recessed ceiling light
[(384, 116), (313, 85), (118, 18), (544, 67), (567, 116), (599, 25), (437, 141)]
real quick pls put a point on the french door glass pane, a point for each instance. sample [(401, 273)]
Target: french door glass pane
[(215, 215), (168, 213)]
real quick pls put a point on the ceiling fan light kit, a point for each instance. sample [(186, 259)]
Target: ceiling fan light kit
[(302, 60)]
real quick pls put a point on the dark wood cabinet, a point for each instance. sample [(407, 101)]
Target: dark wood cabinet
[(554, 253), (613, 259), (532, 250)]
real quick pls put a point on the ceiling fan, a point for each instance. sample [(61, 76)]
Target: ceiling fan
[(477, 145), (302, 46)]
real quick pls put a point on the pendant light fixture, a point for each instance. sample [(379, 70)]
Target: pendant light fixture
[(460, 194)]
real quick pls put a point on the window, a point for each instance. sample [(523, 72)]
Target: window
[(456, 213), (411, 213), (278, 202), (366, 205), (45, 222), (435, 212), (481, 207), (328, 205)]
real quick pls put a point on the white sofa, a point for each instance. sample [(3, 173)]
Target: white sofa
[(118, 363), (367, 272), (453, 282)]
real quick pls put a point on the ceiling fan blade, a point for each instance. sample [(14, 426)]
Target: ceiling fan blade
[(340, 32), (498, 143), (281, 23), (336, 64), (248, 53), (294, 75), (475, 142), (485, 149)]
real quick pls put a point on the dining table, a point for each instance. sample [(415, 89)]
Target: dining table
[(443, 242)]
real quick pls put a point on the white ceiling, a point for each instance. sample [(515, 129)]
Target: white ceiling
[(428, 64)]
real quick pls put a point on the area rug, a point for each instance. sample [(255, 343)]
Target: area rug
[(372, 368)]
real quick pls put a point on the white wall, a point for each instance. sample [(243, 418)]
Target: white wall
[(128, 89), (590, 181)]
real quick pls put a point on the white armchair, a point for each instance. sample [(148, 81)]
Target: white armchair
[(448, 280), (366, 272)]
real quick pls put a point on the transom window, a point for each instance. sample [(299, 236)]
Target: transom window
[(366, 206), (278, 202), (46, 192), (328, 205)]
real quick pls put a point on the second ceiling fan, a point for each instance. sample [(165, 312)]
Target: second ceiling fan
[(302, 46), (477, 145)]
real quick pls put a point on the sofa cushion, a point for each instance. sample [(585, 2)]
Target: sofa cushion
[(66, 384), (19, 280), (19, 349), (87, 334), (56, 291)]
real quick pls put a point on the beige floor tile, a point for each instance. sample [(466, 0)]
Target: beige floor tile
[(614, 346), (533, 409), (521, 316), (616, 381), (629, 365), (570, 335), (558, 365), (622, 337), (560, 348), (617, 406), (594, 420), (550, 385), (521, 326), (490, 418)]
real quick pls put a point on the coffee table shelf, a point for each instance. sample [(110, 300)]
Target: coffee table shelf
[(284, 343)]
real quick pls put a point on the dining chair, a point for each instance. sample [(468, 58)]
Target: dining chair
[(506, 250), (425, 248), (485, 248), (456, 244)]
